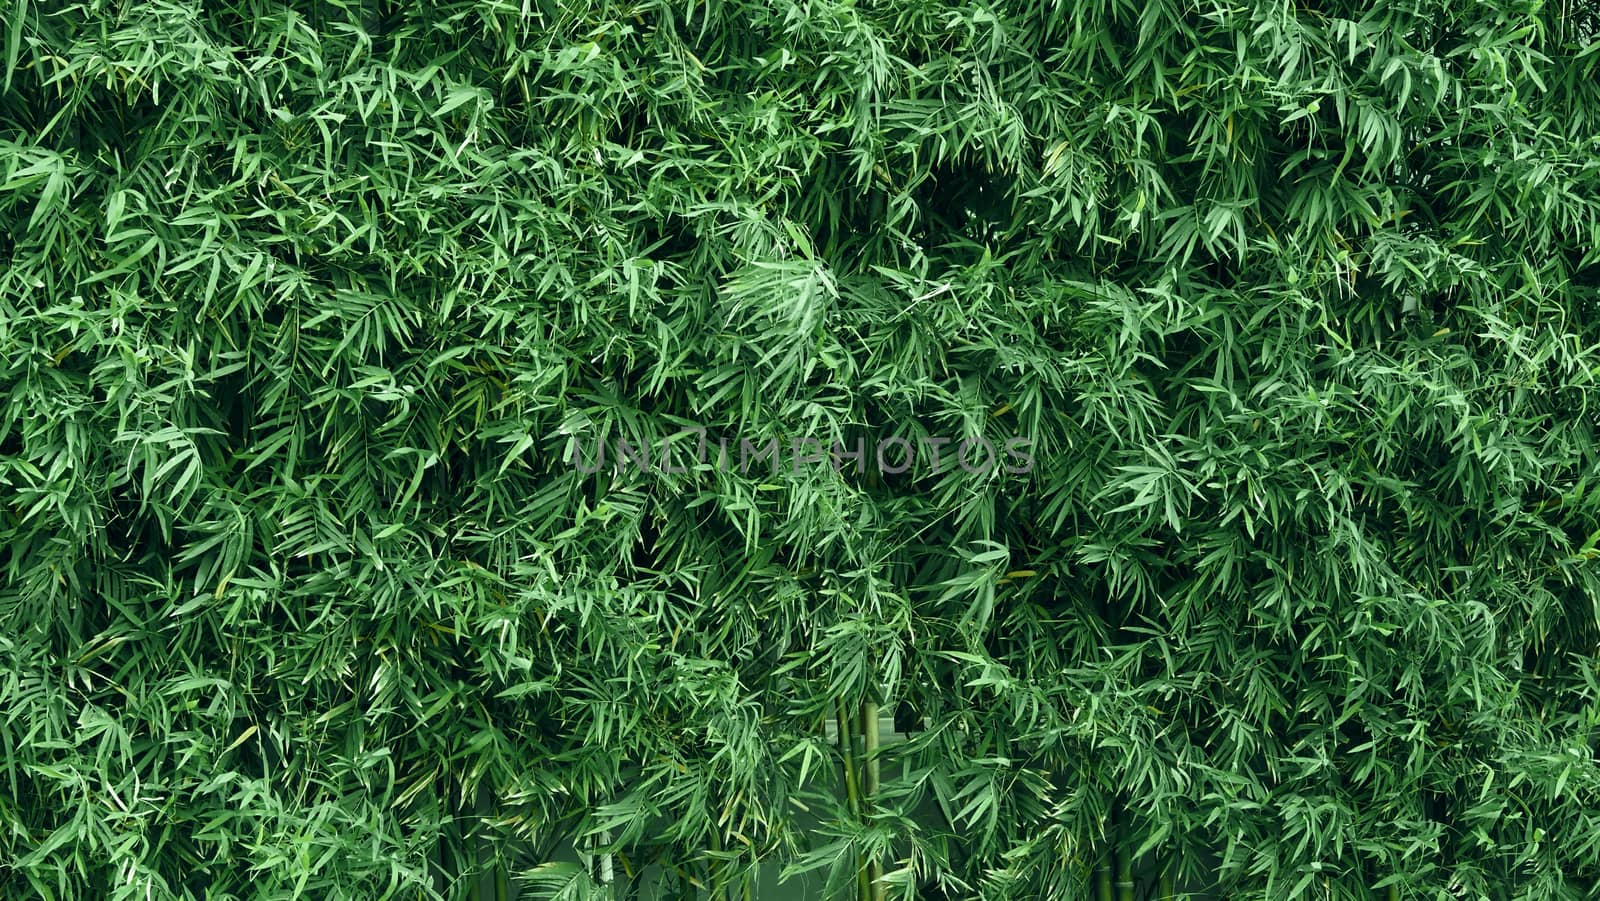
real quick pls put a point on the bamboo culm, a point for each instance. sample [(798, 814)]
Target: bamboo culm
[(852, 791), (869, 734), (1124, 871)]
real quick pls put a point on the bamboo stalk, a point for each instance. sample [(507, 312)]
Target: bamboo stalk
[(852, 790), (869, 733), (1124, 872), (607, 869), (1124, 847), (1108, 857), (1394, 893), (1102, 874), (1164, 886)]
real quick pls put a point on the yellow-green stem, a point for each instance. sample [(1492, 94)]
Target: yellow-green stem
[(1122, 845), (852, 791), (869, 735), (1108, 858), (1124, 872)]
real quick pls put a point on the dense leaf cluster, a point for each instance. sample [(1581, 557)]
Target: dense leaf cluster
[(307, 306)]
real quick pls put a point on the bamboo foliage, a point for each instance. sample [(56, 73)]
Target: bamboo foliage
[(314, 314)]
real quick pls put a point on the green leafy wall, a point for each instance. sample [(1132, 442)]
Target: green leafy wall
[(305, 306)]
